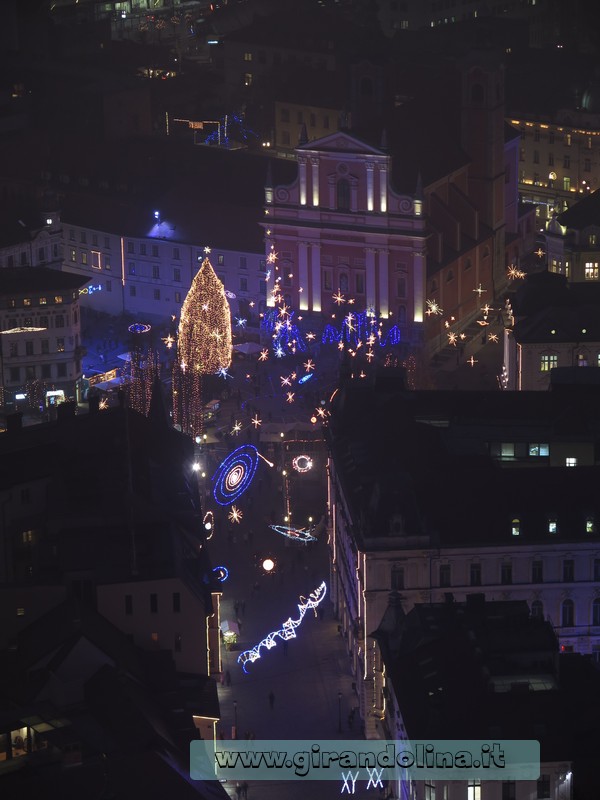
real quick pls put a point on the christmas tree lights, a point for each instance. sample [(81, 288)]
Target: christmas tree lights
[(204, 346)]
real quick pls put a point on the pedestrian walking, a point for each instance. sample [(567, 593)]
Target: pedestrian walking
[(245, 790), (271, 700), (238, 790)]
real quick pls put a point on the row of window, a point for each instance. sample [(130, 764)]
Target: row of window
[(153, 603), (567, 138), (548, 362), (506, 573), (509, 789), (45, 371), (23, 257), (284, 115), (13, 347), (29, 302), (587, 162)]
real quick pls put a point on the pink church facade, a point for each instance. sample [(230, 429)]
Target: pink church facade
[(345, 240)]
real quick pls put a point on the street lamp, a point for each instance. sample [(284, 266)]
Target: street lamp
[(339, 712)]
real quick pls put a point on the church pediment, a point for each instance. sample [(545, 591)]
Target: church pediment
[(339, 143)]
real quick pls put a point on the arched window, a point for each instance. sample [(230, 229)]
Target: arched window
[(567, 616), (401, 315), (537, 609), (343, 194), (596, 611), (343, 282)]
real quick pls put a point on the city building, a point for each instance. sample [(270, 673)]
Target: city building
[(417, 242), (437, 492), (87, 707), (131, 545), (40, 337), (504, 665)]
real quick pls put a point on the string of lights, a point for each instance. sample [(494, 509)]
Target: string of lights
[(288, 628)]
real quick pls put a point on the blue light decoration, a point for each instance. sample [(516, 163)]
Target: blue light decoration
[(288, 628), (230, 124), (285, 335), (297, 534), (139, 327), (235, 474), (91, 289), (221, 573), (305, 378)]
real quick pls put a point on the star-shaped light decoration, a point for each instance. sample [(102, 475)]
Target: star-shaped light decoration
[(285, 381), (241, 322), (539, 252), (472, 361), (279, 352), (310, 336), (452, 338), (272, 257), (514, 273), (349, 320), (256, 421), (362, 374), (293, 376), (207, 250), (169, 341), (479, 290), (351, 301), (237, 427), (103, 404), (462, 336), (264, 354), (493, 337), (338, 298), (320, 412), (433, 307), (222, 372), (340, 346), (482, 322), (309, 365), (235, 515), (290, 397), (370, 355)]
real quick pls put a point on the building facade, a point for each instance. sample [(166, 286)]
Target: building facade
[(472, 522), (40, 338)]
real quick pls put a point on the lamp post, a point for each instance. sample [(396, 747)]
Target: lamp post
[(339, 712), (234, 720)]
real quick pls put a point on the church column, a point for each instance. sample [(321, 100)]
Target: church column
[(302, 179), (383, 188), (370, 189), (418, 286), (384, 305), (370, 270), (303, 275), (314, 162), (316, 276)]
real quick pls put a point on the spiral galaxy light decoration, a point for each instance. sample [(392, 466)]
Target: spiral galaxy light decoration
[(235, 474), (296, 534)]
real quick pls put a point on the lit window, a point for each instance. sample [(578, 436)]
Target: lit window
[(570, 462), (516, 527), (589, 525), (43, 301), (58, 298), (552, 526), (27, 301), (247, 56), (548, 362), (507, 450), (96, 260), (474, 790), (20, 612), (582, 360), (539, 449), (154, 637), (591, 271)]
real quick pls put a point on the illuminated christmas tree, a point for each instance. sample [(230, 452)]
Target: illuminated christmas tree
[(142, 369), (203, 346)]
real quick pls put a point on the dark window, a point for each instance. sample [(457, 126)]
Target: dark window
[(28, 348), (509, 790), (568, 614), (155, 271), (177, 274), (128, 604), (537, 609), (596, 611), (176, 602), (153, 603), (343, 195), (543, 787), (285, 115), (61, 370), (445, 575), (506, 574), (568, 570), (537, 572), (397, 577), (475, 574)]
